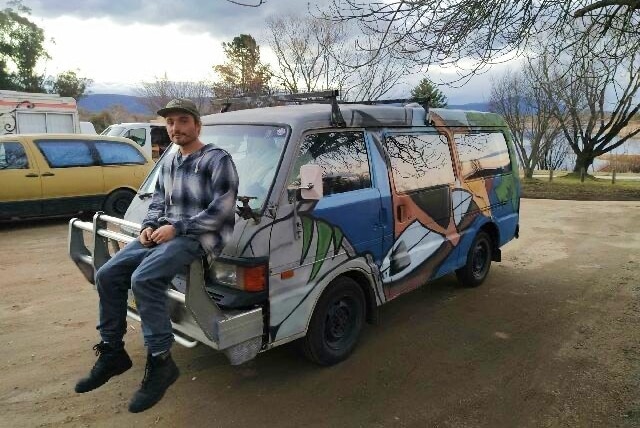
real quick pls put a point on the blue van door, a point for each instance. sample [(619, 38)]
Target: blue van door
[(351, 202)]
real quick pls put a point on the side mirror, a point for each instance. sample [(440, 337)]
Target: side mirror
[(311, 182)]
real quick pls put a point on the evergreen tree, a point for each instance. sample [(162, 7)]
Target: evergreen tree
[(243, 73), (427, 89), (68, 84)]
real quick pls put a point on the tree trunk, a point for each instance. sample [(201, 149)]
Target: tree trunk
[(583, 161), (528, 172)]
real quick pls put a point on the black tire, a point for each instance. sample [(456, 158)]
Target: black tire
[(476, 270), (117, 202), (336, 323)]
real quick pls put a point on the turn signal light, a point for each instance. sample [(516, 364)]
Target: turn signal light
[(253, 278)]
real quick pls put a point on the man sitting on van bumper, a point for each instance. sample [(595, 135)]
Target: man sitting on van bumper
[(192, 213)]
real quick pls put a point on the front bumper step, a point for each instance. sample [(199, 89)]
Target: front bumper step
[(195, 316)]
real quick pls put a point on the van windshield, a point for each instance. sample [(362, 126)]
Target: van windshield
[(114, 131), (256, 152)]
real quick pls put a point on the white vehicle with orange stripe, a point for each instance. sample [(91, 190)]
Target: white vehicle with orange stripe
[(33, 113)]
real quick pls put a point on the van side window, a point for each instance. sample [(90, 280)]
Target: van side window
[(112, 153), (483, 154), (137, 135), (419, 161), (13, 156), (343, 158), (64, 154)]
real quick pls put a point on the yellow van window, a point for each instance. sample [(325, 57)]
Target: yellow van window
[(13, 156), (66, 153)]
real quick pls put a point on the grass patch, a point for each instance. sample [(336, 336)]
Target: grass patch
[(570, 187)]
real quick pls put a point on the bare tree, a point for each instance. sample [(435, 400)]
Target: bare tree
[(157, 94), (315, 53), (555, 154), (455, 32), (595, 97), (301, 46), (528, 111)]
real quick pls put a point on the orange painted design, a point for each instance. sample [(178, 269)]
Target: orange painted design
[(39, 105), (413, 212)]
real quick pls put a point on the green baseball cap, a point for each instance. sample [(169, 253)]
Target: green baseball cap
[(180, 104)]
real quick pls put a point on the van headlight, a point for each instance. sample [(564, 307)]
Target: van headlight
[(246, 278)]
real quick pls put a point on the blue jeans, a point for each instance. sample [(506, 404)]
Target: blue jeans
[(148, 271)]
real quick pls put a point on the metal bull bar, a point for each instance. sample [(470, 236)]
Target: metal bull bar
[(195, 316)]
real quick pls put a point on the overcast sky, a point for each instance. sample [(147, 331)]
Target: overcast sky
[(120, 43)]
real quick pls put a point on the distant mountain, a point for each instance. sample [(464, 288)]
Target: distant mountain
[(470, 106), (95, 103)]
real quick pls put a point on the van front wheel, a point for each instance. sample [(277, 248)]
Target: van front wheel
[(336, 323), (476, 270), (117, 202)]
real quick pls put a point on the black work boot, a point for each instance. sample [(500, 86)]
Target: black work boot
[(112, 361), (159, 374)]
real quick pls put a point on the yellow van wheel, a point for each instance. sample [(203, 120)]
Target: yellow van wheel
[(336, 323), (117, 202)]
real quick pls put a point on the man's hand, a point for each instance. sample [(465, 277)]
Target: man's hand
[(145, 237), (163, 234)]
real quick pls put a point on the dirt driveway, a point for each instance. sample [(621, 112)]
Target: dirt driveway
[(552, 339)]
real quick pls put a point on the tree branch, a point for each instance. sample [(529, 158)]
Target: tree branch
[(632, 4)]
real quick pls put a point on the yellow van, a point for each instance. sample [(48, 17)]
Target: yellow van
[(56, 174)]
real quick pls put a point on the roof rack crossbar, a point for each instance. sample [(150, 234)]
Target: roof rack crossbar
[(330, 96)]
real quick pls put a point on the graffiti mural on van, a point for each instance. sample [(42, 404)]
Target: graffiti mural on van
[(401, 196)]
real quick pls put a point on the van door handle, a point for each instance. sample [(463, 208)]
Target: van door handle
[(32, 175), (48, 174)]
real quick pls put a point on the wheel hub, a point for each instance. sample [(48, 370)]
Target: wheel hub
[(338, 321)]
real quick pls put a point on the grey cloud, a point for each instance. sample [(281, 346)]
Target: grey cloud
[(219, 18)]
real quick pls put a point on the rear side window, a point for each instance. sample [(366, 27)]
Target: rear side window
[(343, 158), (137, 135), (483, 154), (66, 153), (13, 156), (419, 161), (112, 153)]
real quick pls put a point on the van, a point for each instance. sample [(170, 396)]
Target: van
[(87, 128), (28, 112), (152, 137), (341, 209), (57, 174)]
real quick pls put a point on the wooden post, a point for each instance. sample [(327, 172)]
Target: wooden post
[(613, 177), (550, 175), (582, 174)]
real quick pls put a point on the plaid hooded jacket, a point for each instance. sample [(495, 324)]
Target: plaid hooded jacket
[(197, 195)]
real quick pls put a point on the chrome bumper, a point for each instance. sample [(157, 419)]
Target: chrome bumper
[(195, 317)]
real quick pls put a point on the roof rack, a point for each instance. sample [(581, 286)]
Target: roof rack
[(330, 96)]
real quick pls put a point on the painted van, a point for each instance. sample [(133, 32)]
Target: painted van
[(342, 208)]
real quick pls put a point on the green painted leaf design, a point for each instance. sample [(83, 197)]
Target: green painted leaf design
[(337, 240), (506, 190), (307, 237), (325, 237)]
